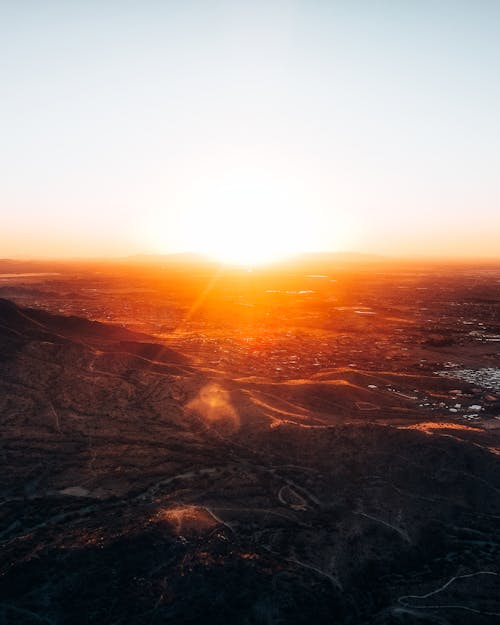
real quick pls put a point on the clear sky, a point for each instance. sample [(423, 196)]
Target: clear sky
[(157, 126)]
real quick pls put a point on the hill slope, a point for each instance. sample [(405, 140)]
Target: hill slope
[(136, 488)]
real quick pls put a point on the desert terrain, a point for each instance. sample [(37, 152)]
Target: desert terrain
[(311, 442)]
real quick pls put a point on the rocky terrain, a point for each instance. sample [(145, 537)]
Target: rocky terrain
[(147, 482)]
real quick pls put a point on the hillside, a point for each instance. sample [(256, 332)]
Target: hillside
[(137, 488)]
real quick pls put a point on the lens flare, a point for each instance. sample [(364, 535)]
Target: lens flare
[(213, 406)]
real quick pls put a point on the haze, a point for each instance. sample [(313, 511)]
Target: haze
[(160, 127)]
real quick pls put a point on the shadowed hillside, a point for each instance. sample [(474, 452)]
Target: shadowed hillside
[(138, 488)]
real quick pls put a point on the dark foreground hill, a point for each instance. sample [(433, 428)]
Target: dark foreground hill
[(137, 488)]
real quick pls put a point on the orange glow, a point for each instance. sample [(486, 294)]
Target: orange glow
[(428, 426), (187, 519)]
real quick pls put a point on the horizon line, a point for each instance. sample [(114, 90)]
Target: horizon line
[(207, 258)]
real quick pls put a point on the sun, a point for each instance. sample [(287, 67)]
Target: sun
[(247, 218)]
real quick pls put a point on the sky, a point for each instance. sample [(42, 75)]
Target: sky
[(257, 127)]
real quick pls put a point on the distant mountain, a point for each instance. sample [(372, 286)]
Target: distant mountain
[(313, 257), (177, 258), (344, 257)]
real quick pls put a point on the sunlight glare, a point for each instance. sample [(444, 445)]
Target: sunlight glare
[(247, 218)]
